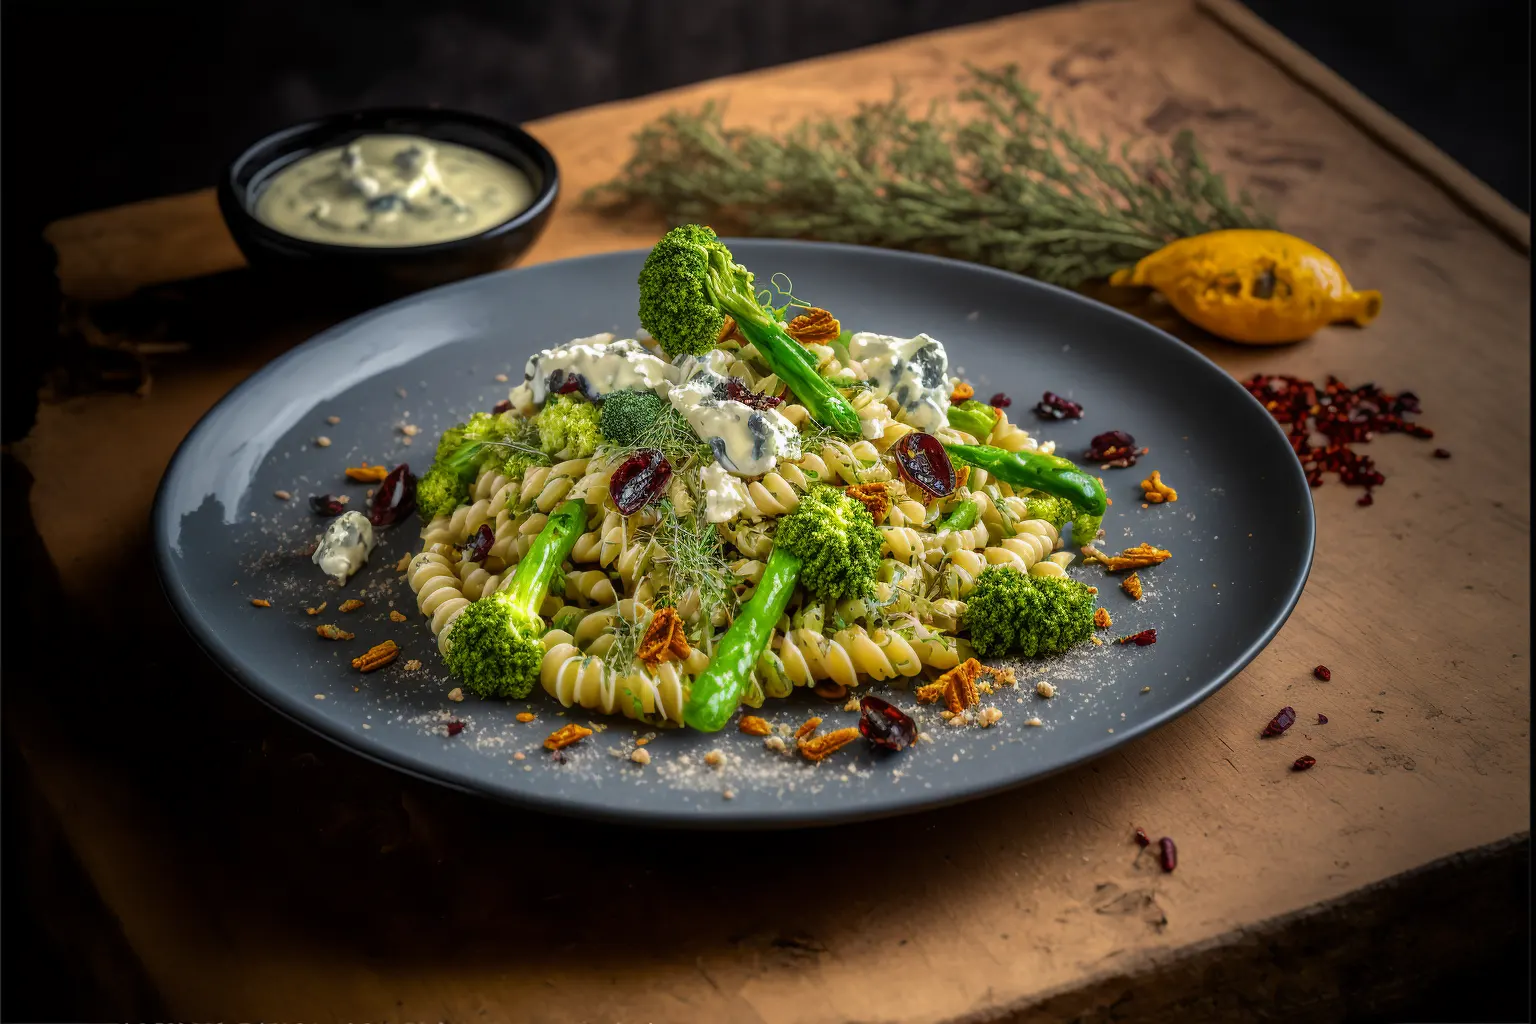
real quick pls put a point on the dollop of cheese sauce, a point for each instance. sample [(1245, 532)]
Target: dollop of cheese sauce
[(597, 366), (746, 441), (345, 546), (393, 190), (913, 371), (724, 495)]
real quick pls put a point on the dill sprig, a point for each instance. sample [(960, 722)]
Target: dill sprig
[(694, 558), (1008, 186)]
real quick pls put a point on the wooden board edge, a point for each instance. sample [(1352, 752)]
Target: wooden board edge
[(1321, 963), (1468, 190)]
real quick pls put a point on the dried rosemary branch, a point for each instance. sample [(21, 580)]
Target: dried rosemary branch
[(1009, 187)]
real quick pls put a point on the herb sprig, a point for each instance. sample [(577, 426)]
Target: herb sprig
[(1009, 186)]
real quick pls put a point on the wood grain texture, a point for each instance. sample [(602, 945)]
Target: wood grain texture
[(340, 890)]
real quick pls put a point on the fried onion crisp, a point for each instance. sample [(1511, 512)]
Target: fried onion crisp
[(664, 639), (814, 327)]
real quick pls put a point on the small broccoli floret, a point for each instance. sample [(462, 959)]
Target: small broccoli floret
[(495, 648), (568, 427), (1059, 512), (1012, 613), (837, 542), (626, 415)]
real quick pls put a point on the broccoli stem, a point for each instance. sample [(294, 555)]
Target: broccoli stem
[(962, 518), (792, 362), (1049, 473), (717, 692), (530, 582)]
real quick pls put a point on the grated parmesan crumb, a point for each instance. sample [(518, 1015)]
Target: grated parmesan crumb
[(990, 716), (715, 758), (1045, 689), (412, 665), (333, 420), (775, 743), (456, 694), (322, 441), (641, 756), (282, 495), (1033, 721)]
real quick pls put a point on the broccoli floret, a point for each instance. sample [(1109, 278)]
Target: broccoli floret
[(1059, 512), (627, 415), (1012, 613), (837, 542), (495, 644), (461, 451), (568, 427), (689, 283)]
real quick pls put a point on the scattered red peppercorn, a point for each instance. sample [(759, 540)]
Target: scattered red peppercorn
[(326, 505), (1441, 453), (1141, 837), (1281, 722), (1142, 639), (395, 499), (639, 480), (1322, 673), (479, 546), (1114, 449), (885, 725), (1322, 719), (505, 405), (1168, 854), (923, 460), (1054, 407), (1303, 762), (454, 728), (999, 401), (1344, 416)]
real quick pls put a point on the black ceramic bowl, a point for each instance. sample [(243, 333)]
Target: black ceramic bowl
[(380, 271)]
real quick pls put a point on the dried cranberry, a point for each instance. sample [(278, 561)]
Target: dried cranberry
[(885, 725), (1143, 639), (1322, 719), (924, 461), (1365, 499), (454, 728), (395, 499), (1167, 854), (1441, 453), (1303, 762), (563, 383), (999, 401), (1141, 837), (505, 405), (326, 505), (1322, 673), (1054, 407), (737, 390), (479, 545), (1281, 722), (639, 480), (1114, 447)]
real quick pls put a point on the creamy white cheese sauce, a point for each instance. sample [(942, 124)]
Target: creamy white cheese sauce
[(393, 190), (724, 495), (746, 441), (599, 365), (913, 371), (345, 546)]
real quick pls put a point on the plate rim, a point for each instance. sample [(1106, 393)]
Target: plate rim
[(161, 522)]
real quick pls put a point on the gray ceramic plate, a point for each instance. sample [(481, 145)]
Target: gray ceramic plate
[(1241, 535)]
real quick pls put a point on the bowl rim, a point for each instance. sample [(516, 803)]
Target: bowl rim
[(235, 199)]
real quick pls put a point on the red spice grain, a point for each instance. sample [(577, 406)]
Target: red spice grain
[(454, 728), (1167, 854), (999, 401), (502, 406), (1343, 416), (1322, 673), (1281, 722), (1322, 719), (1142, 639), (1303, 762), (1441, 453), (1141, 837)]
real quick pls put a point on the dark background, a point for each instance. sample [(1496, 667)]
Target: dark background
[(105, 103)]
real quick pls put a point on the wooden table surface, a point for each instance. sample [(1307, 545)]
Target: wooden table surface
[(247, 869)]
